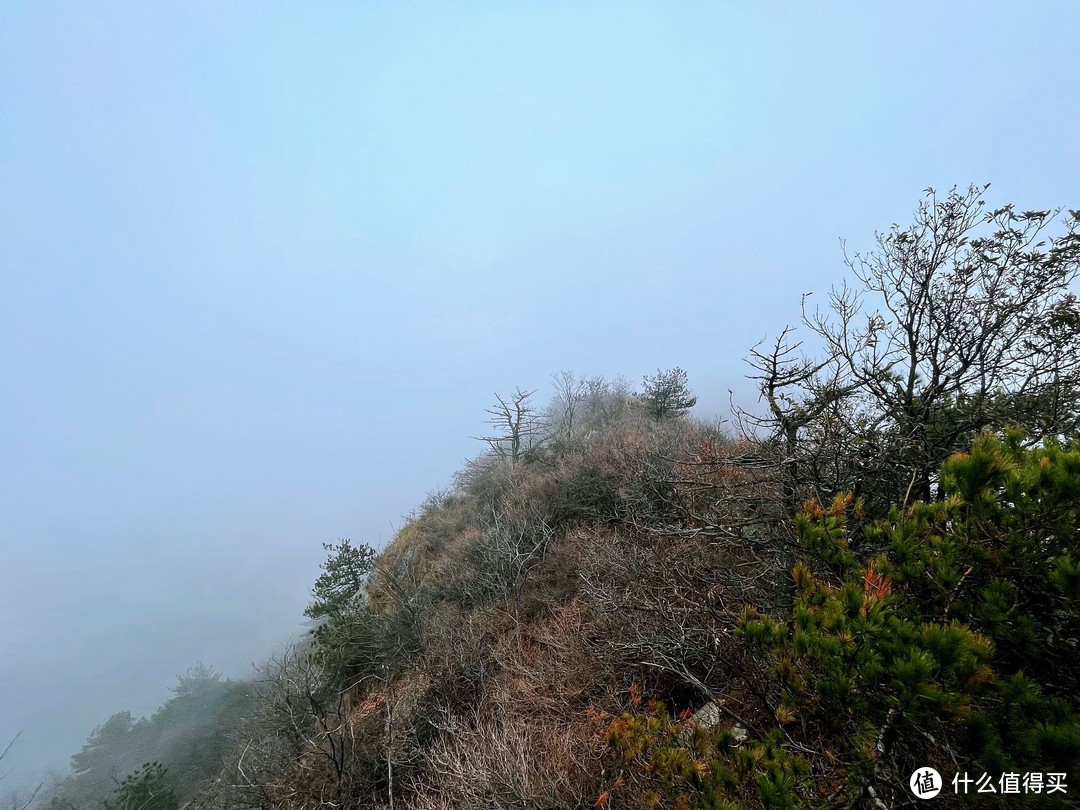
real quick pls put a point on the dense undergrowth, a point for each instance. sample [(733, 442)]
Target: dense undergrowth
[(602, 625)]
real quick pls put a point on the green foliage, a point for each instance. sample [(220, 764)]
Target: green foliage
[(340, 587), (190, 733), (667, 394), (678, 762), (340, 602), (193, 730), (958, 643), (145, 789), (356, 639), (115, 734), (1002, 555)]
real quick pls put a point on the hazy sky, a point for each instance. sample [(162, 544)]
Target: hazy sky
[(263, 266)]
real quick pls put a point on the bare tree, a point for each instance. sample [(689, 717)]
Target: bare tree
[(798, 391), (604, 402), (304, 745), (16, 801), (963, 321), (570, 392), (516, 425)]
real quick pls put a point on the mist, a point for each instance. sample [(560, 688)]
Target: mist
[(263, 269)]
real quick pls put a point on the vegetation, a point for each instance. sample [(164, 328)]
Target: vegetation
[(146, 789), (616, 605), (667, 393), (962, 322), (167, 755), (16, 800), (950, 638)]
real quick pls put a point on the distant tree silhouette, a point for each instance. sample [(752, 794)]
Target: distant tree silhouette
[(145, 789)]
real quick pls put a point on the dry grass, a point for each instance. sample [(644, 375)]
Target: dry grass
[(543, 591), (503, 761)]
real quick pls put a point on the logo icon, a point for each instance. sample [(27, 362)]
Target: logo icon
[(925, 783)]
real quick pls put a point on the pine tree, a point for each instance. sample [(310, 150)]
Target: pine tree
[(145, 789), (951, 637), (667, 394)]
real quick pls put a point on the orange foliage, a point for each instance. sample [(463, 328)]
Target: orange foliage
[(875, 585), (840, 504)]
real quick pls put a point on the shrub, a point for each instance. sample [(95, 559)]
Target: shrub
[(957, 647), (683, 763)]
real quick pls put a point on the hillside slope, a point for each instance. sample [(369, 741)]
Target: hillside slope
[(625, 617)]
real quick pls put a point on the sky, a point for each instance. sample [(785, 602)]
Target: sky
[(264, 265)]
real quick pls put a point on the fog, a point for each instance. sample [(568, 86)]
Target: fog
[(262, 268)]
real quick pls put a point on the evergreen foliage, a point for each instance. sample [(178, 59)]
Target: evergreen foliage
[(684, 764), (667, 393), (145, 789), (190, 734), (340, 587), (340, 604), (356, 639), (945, 634)]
